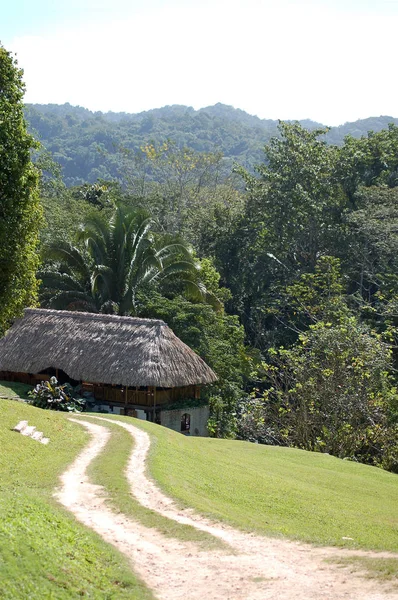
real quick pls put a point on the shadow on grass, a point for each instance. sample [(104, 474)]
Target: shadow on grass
[(13, 390)]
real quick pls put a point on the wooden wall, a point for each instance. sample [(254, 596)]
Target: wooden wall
[(141, 397)]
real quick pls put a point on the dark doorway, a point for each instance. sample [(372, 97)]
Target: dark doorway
[(61, 376), (186, 423)]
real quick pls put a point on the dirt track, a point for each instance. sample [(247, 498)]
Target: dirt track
[(257, 568)]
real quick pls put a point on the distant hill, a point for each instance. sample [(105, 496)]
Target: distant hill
[(87, 144), (359, 128)]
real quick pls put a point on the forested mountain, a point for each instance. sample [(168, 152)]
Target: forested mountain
[(91, 146)]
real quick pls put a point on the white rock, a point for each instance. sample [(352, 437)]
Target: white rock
[(29, 430), (21, 425)]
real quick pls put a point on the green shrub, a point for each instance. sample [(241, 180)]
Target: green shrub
[(50, 395)]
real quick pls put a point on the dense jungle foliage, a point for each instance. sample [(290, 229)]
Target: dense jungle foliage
[(282, 274), (297, 264)]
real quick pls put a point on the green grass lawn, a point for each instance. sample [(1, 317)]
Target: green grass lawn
[(278, 491), (44, 552), (11, 389)]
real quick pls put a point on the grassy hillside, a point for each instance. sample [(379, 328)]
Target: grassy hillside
[(44, 552), (279, 491)]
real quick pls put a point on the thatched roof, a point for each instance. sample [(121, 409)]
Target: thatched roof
[(102, 349)]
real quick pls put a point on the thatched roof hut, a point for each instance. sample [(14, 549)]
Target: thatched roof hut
[(105, 349)]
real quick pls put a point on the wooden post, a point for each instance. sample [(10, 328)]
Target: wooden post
[(154, 404), (125, 394)]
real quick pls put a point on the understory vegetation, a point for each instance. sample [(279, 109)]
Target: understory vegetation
[(281, 276)]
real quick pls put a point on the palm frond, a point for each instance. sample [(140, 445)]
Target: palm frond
[(69, 255), (54, 280), (182, 266), (120, 256), (175, 251), (197, 292)]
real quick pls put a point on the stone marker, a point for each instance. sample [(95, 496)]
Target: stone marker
[(28, 430), (21, 425)]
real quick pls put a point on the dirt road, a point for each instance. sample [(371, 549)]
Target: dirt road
[(257, 568)]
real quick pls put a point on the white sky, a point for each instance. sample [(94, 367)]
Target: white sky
[(331, 61)]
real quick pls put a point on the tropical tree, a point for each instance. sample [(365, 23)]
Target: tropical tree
[(371, 160), (291, 217), (114, 260), (20, 213), (333, 391)]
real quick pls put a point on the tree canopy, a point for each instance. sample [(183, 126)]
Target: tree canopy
[(20, 213)]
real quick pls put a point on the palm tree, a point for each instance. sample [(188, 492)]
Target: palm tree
[(115, 259)]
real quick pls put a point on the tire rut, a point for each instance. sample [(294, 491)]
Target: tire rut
[(259, 568)]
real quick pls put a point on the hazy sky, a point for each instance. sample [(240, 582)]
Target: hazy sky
[(328, 60)]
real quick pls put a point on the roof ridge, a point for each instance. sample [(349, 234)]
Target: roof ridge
[(94, 316)]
